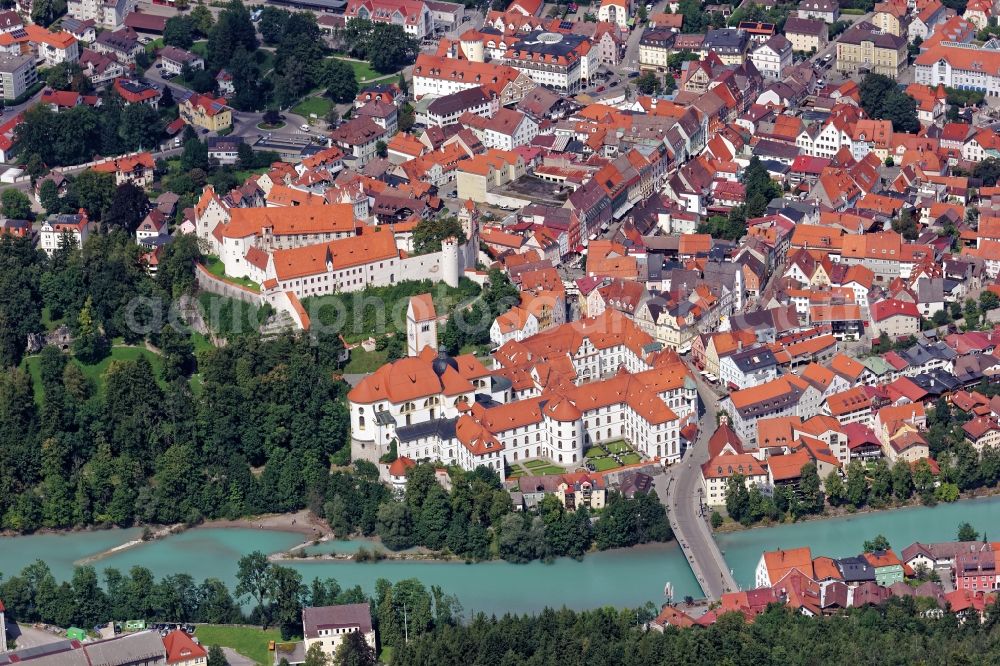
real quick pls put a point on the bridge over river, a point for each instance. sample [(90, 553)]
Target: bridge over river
[(679, 489)]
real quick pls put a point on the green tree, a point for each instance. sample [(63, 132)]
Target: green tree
[(45, 12), (906, 225), (128, 208), (381, 149), (178, 353), (66, 76), (759, 187), (737, 497), (881, 484), (676, 59), (93, 192), (988, 300), (315, 656), (857, 484), (195, 155), (809, 488), (395, 526), (881, 98), (89, 343), (202, 21), (967, 532), (988, 171), (392, 48), (716, 520), (216, 657), (836, 493), (429, 233), (902, 481), (15, 204), (340, 81), (233, 29), (946, 492), (648, 83), (48, 197), (432, 521), (178, 32), (288, 594), (879, 543), (970, 312), (354, 651), (251, 90), (272, 24), (255, 578)]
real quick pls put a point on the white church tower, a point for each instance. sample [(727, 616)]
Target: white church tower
[(421, 324)]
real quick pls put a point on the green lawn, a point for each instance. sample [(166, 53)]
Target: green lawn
[(618, 447), (313, 105), (475, 350), (155, 46), (369, 312), (363, 71), (201, 343), (242, 174), (595, 452), (631, 458), (95, 373), (218, 269), (363, 362), (604, 464), (230, 317), (251, 642), (534, 468), (265, 60), (48, 322), (200, 48)]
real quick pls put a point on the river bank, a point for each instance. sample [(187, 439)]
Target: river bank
[(833, 513), (301, 522)]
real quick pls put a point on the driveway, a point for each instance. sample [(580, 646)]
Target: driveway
[(236, 659), (27, 636)]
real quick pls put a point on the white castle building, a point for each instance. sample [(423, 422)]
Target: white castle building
[(318, 249), (551, 396)]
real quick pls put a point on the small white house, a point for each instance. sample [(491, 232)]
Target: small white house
[(515, 324), (58, 229)]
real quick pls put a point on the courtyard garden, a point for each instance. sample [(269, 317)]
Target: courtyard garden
[(611, 455), (534, 468)]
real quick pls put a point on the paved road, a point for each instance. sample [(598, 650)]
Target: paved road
[(679, 491)]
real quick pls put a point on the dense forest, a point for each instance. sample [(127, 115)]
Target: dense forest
[(895, 633), (138, 444)]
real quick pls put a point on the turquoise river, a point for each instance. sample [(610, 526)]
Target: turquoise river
[(620, 578)]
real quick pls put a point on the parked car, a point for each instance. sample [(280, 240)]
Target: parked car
[(304, 128), (633, 75)]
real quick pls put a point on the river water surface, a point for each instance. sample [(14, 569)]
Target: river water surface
[(628, 577)]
